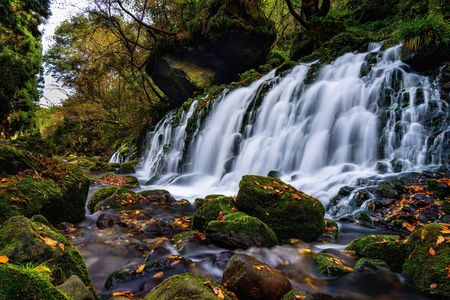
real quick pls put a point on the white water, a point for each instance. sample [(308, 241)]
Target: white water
[(320, 135)]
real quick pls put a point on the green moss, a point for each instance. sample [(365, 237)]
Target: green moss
[(330, 265), (13, 161), (127, 168), (285, 66), (424, 268), (289, 212), (187, 287), (213, 207), (383, 247), (371, 263), (239, 230), (104, 193), (126, 200), (24, 241), (26, 284)]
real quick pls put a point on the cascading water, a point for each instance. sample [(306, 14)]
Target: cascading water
[(362, 113)]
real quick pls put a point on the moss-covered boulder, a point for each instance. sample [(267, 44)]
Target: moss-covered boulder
[(25, 241), (75, 289), (289, 212), (121, 200), (187, 287), (330, 265), (251, 279), (383, 247), (428, 259), (103, 194), (26, 284), (33, 184), (12, 161), (159, 197), (239, 230), (212, 208)]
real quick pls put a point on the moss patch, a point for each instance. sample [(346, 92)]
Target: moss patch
[(330, 265), (103, 194), (429, 259), (211, 208), (22, 283), (188, 286)]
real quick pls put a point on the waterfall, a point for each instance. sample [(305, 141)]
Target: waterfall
[(320, 129)]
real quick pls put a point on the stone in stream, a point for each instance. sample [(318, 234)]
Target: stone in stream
[(25, 241), (75, 289), (330, 265), (383, 247), (289, 212), (189, 286), (103, 194), (428, 260), (239, 230), (251, 279), (128, 182)]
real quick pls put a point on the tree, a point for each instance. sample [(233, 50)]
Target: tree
[(20, 62), (308, 9)]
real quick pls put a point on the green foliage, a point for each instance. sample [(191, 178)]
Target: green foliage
[(20, 62)]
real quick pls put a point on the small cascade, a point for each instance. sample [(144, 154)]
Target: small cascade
[(362, 115)]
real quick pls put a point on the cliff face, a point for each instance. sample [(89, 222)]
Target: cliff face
[(232, 37)]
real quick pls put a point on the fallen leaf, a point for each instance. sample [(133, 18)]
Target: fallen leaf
[(431, 251), (4, 259), (140, 269), (50, 242), (423, 235), (440, 240), (299, 297), (128, 294), (231, 294), (61, 246), (158, 275), (433, 285), (174, 263)]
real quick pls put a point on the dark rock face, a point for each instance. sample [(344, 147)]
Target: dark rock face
[(250, 278), (236, 37)]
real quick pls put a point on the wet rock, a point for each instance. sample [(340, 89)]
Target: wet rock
[(159, 228), (250, 278), (330, 265), (188, 286), (429, 258), (212, 207), (158, 196), (24, 241), (75, 289), (289, 212), (124, 200), (21, 283), (103, 194), (142, 273), (109, 220), (383, 247), (239, 230)]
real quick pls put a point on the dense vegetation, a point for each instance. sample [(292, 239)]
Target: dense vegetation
[(20, 61)]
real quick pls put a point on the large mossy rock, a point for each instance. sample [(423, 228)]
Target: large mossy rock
[(103, 194), (239, 230), (26, 284), (211, 208), (226, 38), (25, 241), (124, 200), (33, 184), (187, 287), (428, 259), (330, 265), (251, 279), (383, 247), (289, 212)]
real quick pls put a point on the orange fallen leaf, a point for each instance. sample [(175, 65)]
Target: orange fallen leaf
[(440, 240), (4, 259), (158, 275), (231, 294), (50, 242), (140, 269), (299, 297), (433, 285), (431, 251), (174, 263), (423, 234), (128, 294), (61, 246)]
